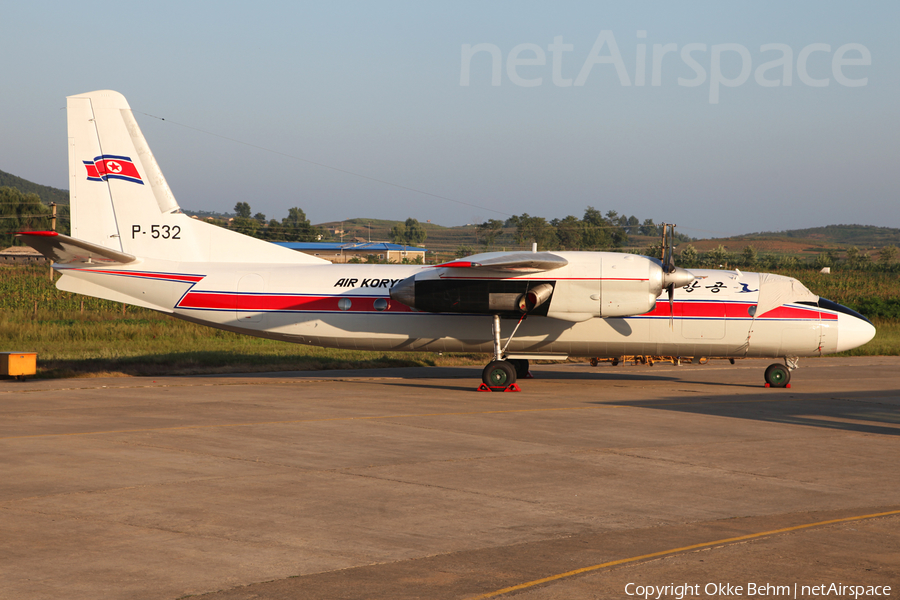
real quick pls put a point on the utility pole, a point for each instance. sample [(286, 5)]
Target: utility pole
[(52, 228)]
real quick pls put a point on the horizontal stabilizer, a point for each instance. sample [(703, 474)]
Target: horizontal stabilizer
[(77, 285), (67, 250), (514, 262)]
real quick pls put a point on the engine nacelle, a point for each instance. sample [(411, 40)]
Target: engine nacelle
[(606, 284), (591, 284), (484, 295)]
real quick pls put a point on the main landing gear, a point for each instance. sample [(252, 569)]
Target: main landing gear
[(779, 376), (500, 374)]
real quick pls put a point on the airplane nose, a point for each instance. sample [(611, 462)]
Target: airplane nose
[(853, 332)]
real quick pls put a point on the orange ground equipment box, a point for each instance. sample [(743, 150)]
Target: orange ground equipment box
[(18, 364)]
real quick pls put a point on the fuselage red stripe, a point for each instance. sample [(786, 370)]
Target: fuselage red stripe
[(735, 310), (284, 302), (791, 312), (550, 278), (302, 303)]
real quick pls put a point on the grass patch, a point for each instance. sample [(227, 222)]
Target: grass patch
[(72, 344), (885, 343)]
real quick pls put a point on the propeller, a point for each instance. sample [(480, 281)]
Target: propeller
[(672, 275), (668, 259)]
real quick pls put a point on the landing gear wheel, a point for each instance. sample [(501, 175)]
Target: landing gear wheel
[(777, 375), (498, 373), (521, 367)]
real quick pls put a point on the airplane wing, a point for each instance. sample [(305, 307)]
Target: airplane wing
[(513, 262), (63, 249)]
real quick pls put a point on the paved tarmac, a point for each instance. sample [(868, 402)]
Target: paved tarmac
[(406, 483)]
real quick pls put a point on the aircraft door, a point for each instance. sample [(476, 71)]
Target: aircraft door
[(801, 341), (702, 320), (248, 309)]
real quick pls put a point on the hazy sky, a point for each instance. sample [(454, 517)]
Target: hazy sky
[(705, 138)]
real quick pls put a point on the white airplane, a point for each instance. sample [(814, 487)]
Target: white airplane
[(131, 243)]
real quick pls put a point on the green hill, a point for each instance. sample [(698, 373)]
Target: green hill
[(450, 238), (864, 236), (24, 206), (46, 193), (439, 237)]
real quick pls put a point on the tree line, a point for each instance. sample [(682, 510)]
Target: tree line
[(593, 231), (410, 233), (295, 227), (750, 258), (21, 211)]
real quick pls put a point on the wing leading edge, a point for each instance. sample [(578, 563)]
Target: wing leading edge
[(513, 262)]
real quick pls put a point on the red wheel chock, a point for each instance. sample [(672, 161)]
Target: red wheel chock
[(787, 385), (509, 388)]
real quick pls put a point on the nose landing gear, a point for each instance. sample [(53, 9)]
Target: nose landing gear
[(778, 376), (500, 375)]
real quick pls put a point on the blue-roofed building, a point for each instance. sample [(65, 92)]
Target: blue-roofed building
[(338, 252)]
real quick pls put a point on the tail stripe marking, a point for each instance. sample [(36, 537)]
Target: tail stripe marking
[(178, 277)]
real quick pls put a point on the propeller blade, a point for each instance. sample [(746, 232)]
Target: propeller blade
[(666, 258), (671, 265), (671, 290)]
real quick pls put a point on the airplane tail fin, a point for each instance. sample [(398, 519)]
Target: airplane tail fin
[(120, 200)]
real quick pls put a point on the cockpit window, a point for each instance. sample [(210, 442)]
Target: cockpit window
[(831, 305)]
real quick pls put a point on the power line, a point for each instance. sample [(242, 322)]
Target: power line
[(324, 166), (47, 216)]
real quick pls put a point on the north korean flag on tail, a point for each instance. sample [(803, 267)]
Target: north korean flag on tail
[(109, 166)]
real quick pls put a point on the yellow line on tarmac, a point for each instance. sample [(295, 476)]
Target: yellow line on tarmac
[(622, 561)]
